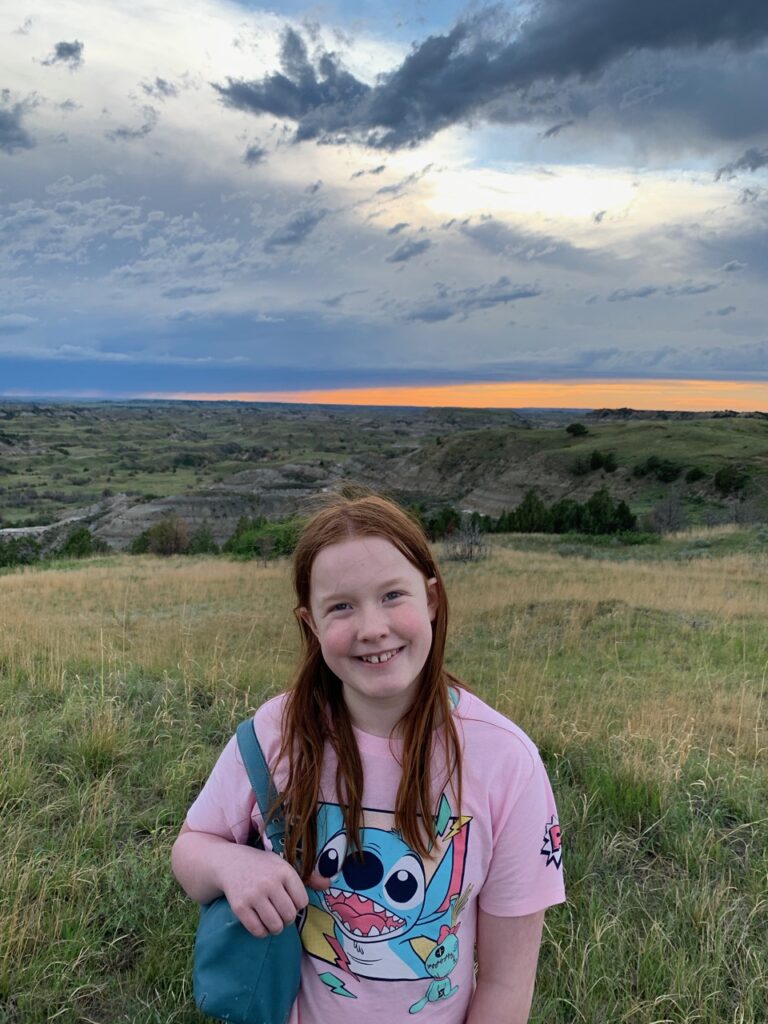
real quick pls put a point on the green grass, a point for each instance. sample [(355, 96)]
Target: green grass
[(120, 681)]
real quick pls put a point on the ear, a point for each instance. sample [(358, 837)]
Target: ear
[(306, 616), (432, 597)]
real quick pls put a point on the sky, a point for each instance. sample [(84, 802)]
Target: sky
[(553, 202)]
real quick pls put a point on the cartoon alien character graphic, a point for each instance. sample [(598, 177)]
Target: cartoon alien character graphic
[(380, 898), (443, 959)]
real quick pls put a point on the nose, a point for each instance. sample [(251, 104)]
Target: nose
[(371, 623)]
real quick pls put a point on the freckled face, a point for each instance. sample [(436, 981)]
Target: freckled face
[(372, 612)]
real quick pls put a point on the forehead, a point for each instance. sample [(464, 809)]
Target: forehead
[(359, 562)]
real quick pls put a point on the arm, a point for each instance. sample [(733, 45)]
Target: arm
[(264, 891), (507, 954)]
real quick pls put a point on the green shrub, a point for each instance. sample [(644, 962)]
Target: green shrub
[(81, 543), (169, 536), (268, 540), (201, 541), (443, 523), (580, 466), (665, 470), (576, 429), (731, 479), (694, 473), (19, 551)]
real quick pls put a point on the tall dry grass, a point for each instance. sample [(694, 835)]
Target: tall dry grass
[(644, 683)]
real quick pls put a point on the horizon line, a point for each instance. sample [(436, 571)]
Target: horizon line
[(641, 394), (576, 395)]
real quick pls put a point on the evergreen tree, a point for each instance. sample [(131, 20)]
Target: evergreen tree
[(532, 515)]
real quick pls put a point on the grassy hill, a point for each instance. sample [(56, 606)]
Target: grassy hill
[(491, 469)]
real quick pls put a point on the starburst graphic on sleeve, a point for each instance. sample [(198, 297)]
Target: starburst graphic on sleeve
[(551, 848)]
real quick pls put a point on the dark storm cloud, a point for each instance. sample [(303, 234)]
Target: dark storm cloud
[(185, 292), (673, 291), (752, 160), (689, 289), (254, 154), (723, 311), (127, 134), (399, 187), (408, 250), (296, 230), (557, 128), (13, 136), (313, 188), (376, 170), (70, 54), (161, 89), (749, 195), (300, 89), (401, 226), (450, 77), (450, 302), (624, 294)]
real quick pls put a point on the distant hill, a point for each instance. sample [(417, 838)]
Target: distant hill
[(662, 414), (122, 466)]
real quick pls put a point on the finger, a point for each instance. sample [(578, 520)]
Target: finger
[(270, 918), (295, 889), (251, 921), (318, 881), (284, 905)]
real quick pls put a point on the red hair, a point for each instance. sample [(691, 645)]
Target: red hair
[(315, 712)]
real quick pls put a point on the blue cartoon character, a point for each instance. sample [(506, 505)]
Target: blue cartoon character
[(381, 898), (443, 959)]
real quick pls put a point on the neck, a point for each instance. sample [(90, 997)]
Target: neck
[(381, 719)]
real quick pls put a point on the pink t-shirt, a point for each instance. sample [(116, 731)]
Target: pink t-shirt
[(394, 936)]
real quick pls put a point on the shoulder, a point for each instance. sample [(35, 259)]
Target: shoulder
[(268, 725), (269, 715), (488, 734)]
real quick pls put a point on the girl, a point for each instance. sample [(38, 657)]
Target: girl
[(421, 824)]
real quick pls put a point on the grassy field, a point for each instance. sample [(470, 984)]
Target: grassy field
[(642, 679)]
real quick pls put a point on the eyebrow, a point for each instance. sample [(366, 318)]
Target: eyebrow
[(395, 584)]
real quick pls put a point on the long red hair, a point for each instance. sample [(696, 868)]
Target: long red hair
[(315, 712)]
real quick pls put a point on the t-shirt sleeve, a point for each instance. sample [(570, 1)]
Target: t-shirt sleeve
[(226, 801), (526, 871)]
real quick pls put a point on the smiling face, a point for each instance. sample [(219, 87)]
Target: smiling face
[(372, 611)]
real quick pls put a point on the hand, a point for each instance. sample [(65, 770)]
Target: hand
[(264, 891)]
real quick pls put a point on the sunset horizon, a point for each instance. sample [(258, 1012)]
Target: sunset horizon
[(578, 395)]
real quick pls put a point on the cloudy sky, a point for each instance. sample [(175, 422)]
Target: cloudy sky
[(223, 198)]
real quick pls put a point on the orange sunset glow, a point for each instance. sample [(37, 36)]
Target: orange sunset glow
[(684, 395)]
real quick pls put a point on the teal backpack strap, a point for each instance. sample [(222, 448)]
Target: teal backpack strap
[(261, 783)]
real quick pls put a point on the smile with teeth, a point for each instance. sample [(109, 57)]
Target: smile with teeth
[(378, 659), (361, 917)]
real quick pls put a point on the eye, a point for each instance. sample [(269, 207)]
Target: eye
[(393, 595), (404, 883), (331, 857), (340, 607)]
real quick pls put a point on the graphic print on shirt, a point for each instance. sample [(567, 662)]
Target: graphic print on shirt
[(551, 848), (389, 914), (444, 958)]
